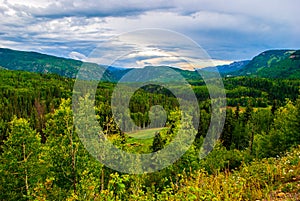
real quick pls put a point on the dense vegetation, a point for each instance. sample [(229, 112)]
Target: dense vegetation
[(42, 157), (273, 64)]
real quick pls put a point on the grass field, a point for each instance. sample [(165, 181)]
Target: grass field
[(140, 141), (144, 134)]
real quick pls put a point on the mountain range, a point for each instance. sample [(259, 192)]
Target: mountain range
[(269, 64), (228, 68)]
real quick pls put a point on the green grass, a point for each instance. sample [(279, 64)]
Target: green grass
[(144, 134), (140, 141)]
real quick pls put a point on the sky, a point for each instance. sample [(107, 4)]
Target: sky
[(228, 30)]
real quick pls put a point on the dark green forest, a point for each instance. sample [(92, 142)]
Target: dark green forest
[(42, 158)]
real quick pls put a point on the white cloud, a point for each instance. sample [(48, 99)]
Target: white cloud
[(227, 29), (77, 56)]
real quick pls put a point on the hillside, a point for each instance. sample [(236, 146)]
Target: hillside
[(273, 64), (42, 63), (268, 179)]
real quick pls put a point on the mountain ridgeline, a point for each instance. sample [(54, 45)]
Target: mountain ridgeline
[(269, 64), (273, 64), (228, 68), (42, 63)]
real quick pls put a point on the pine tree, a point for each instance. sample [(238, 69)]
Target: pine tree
[(274, 107), (226, 136), (248, 112), (158, 143), (237, 111)]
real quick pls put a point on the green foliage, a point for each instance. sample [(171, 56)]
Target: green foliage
[(221, 159), (21, 165), (226, 136), (42, 157), (283, 134), (158, 143), (260, 91), (273, 64), (258, 180)]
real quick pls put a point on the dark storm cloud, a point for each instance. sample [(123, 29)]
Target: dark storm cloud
[(91, 8)]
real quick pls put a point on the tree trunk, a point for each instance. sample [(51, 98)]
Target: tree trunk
[(102, 179), (26, 172), (251, 140)]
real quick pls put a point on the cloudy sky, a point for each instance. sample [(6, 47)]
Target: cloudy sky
[(227, 29)]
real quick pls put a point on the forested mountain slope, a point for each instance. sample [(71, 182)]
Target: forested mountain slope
[(273, 64), (42, 63)]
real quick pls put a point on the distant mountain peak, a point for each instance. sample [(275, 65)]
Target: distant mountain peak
[(228, 68)]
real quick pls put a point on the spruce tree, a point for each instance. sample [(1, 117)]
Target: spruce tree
[(158, 143)]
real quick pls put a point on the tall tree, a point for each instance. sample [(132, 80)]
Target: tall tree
[(237, 111), (248, 112), (63, 146), (20, 164), (226, 136)]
